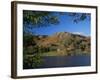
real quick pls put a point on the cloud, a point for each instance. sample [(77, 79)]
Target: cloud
[(79, 33)]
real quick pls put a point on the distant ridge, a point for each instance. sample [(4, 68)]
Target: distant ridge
[(65, 41)]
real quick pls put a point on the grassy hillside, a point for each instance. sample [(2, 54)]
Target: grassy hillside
[(62, 43), (59, 44)]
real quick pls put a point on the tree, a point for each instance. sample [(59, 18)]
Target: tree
[(47, 18), (79, 17), (39, 18)]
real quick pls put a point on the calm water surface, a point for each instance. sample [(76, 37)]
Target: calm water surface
[(65, 61)]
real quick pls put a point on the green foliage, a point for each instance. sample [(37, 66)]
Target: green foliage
[(47, 18), (27, 39), (79, 17), (39, 18), (31, 54), (32, 61)]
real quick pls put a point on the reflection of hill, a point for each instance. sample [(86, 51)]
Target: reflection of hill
[(63, 43)]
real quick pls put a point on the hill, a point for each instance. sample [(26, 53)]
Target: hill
[(62, 43)]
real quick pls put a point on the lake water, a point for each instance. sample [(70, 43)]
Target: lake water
[(65, 61)]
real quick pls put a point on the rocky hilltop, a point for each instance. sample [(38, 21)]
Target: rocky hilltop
[(62, 43)]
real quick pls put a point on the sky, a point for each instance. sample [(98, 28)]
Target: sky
[(66, 25)]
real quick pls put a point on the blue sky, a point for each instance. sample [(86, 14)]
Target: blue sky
[(66, 25)]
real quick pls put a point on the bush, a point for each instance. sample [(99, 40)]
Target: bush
[(32, 61)]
